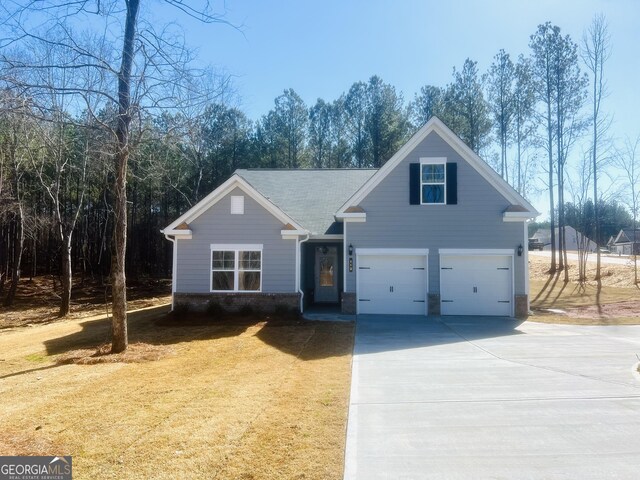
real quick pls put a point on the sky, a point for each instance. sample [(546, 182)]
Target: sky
[(320, 48)]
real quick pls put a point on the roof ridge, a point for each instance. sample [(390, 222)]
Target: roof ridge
[(304, 169)]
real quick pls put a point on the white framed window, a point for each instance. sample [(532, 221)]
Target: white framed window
[(433, 181), (236, 268), (237, 205)]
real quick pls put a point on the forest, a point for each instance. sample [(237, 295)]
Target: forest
[(64, 123)]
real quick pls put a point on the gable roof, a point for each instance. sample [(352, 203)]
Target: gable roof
[(436, 125), (235, 181), (310, 196), (628, 235)]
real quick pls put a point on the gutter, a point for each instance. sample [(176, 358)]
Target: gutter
[(300, 291), (174, 263)]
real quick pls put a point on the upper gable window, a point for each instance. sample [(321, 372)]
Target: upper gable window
[(237, 205), (433, 181)]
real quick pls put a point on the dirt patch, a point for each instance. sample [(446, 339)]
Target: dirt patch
[(38, 300), (135, 353), (612, 310), (28, 443)]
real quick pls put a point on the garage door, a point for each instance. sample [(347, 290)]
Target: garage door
[(392, 284), (476, 285)]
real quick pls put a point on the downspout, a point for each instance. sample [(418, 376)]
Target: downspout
[(174, 262), (299, 253)]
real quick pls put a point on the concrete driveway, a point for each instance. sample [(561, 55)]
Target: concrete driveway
[(490, 398)]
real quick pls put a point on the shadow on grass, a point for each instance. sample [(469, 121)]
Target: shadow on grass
[(307, 340), (547, 288), (30, 370)]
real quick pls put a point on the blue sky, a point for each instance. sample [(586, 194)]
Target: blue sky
[(319, 48)]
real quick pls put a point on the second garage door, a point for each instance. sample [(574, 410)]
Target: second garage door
[(476, 285), (392, 284)]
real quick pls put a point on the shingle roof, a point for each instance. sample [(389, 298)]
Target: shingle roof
[(628, 235), (310, 196)]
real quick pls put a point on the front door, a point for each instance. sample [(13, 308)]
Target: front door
[(326, 275)]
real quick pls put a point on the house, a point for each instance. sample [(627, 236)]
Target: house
[(627, 242), (611, 244), (573, 239), (434, 231)]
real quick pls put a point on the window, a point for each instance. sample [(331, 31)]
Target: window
[(236, 268), (237, 205), (433, 182)]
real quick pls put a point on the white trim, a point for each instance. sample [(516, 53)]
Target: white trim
[(235, 181), (299, 243), (236, 248), (517, 216), (351, 217), (174, 269), (185, 234), (435, 124), (327, 237), (476, 251), (391, 251), (297, 266), (292, 234), (525, 254), (434, 161), (400, 252), (345, 261)]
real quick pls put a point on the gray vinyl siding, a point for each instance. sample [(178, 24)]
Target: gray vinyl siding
[(475, 222), (217, 225)]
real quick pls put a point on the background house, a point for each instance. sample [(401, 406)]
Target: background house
[(627, 242), (573, 239)]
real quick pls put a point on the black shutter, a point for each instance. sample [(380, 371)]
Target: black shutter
[(452, 183), (414, 184)]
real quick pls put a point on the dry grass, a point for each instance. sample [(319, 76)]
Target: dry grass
[(612, 275), (255, 398), (616, 303)]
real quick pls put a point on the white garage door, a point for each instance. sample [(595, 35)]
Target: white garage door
[(392, 284), (476, 285)]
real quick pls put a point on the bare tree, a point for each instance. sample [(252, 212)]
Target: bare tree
[(628, 160), (148, 61), (523, 112), (579, 185), (561, 88), (501, 79), (542, 43), (60, 159), (596, 50), (13, 133)]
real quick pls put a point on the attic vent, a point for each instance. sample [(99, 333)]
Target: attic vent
[(237, 205)]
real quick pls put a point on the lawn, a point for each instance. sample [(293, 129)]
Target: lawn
[(616, 302), (252, 397)]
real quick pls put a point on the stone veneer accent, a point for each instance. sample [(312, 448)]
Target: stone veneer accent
[(349, 303), (521, 306), (234, 302), (434, 304)]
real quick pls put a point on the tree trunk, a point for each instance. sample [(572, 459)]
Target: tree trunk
[(18, 243), (596, 207), (67, 276), (119, 240), (552, 268)]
